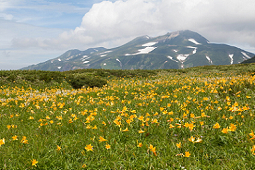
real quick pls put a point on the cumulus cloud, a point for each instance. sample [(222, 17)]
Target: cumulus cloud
[(111, 23)]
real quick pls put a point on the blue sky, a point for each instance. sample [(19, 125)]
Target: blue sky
[(33, 31)]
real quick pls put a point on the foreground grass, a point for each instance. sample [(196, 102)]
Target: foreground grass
[(176, 120)]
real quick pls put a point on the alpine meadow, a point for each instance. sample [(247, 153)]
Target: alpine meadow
[(193, 118)]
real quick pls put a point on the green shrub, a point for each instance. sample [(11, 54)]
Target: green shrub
[(78, 81)]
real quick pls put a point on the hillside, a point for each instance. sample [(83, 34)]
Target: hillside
[(251, 60), (192, 118), (181, 49)]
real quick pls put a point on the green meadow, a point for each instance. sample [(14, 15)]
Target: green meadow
[(194, 118)]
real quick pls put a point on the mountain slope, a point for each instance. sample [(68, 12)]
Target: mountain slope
[(252, 60), (174, 50)]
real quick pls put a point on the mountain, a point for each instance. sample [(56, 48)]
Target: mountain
[(174, 50)]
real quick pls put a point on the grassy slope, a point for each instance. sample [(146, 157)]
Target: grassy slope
[(141, 118)]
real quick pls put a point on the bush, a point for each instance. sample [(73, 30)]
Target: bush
[(78, 81)]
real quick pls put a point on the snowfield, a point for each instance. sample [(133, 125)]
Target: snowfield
[(182, 57), (194, 41), (231, 57), (146, 50), (209, 59), (171, 58), (149, 44), (195, 49), (246, 55)]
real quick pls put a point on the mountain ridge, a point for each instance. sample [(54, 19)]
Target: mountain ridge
[(175, 50)]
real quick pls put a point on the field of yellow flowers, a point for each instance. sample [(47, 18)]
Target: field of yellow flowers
[(168, 121)]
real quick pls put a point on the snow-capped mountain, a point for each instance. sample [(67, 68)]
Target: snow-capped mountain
[(174, 50)]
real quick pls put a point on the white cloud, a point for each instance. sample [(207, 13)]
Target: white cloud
[(114, 22)]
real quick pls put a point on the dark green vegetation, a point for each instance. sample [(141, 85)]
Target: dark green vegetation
[(181, 49), (76, 78), (252, 60)]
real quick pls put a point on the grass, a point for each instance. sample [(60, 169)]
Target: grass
[(196, 118)]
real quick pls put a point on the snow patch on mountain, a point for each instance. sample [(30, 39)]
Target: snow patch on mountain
[(146, 50), (149, 44), (106, 52), (171, 58), (245, 55), (59, 68), (103, 55), (195, 49), (182, 57), (194, 41), (231, 58), (70, 58), (209, 59), (175, 50), (59, 59), (119, 62), (85, 58), (85, 62)]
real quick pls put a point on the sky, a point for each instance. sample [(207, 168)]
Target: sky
[(34, 31)]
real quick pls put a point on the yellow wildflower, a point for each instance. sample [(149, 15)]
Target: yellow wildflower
[(107, 146), (34, 162), (187, 154), (101, 139), (179, 145), (2, 141), (216, 126), (58, 148), (89, 147)]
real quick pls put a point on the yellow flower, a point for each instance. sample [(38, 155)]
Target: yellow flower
[(24, 140), (216, 126), (153, 149), (89, 147), (8, 127), (179, 145), (224, 130), (232, 127), (140, 145), (141, 131), (187, 154), (190, 126), (34, 162), (107, 146), (253, 149), (84, 166), (15, 137), (118, 123), (125, 130), (58, 148), (31, 118), (171, 126), (192, 139), (2, 141), (199, 140), (104, 123), (101, 139)]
